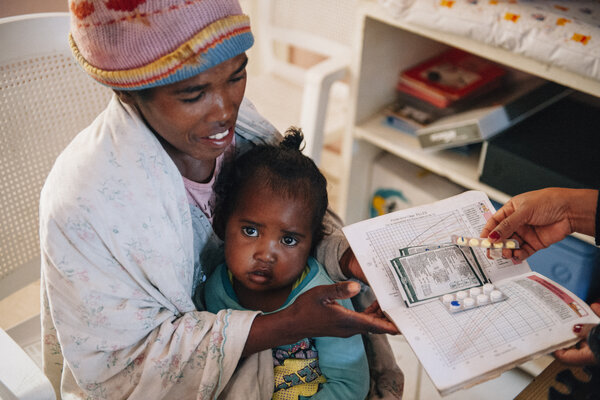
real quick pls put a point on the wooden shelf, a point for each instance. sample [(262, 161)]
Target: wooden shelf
[(457, 167), (526, 64), (383, 47)]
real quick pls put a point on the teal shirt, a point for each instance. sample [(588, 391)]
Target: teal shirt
[(342, 361)]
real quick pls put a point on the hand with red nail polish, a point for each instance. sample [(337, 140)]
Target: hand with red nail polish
[(494, 235), (581, 353), (540, 218)]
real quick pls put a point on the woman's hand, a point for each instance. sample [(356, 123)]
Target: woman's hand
[(329, 318), (580, 354), (540, 218), (316, 313)]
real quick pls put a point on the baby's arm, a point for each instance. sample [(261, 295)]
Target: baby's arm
[(333, 246), (343, 362)]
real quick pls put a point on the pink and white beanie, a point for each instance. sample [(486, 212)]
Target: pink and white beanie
[(138, 44)]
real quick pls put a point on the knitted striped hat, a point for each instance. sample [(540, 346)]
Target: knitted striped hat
[(138, 44)]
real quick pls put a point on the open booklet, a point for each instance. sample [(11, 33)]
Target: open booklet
[(409, 262)]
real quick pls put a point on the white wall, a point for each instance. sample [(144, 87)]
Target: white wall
[(15, 7)]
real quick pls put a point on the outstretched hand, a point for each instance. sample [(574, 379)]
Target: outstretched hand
[(351, 268), (316, 313), (326, 317), (540, 218)]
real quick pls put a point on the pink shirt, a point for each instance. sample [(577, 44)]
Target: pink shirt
[(201, 195)]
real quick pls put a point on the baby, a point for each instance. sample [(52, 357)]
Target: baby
[(271, 204)]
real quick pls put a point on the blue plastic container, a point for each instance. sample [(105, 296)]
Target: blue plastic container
[(572, 263)]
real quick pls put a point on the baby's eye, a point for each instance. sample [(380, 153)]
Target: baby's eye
[(289, 240), (250, 231)]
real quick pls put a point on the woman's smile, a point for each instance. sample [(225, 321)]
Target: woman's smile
[(217, 140), (219, 136)]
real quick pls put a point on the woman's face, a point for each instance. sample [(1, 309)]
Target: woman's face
[(196, 116)]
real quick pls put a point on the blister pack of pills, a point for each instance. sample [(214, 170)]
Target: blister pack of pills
[(484, 242), (472, 298), (495, 252)]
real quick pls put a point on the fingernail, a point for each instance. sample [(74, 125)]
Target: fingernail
[(577, 328), (494, 235)]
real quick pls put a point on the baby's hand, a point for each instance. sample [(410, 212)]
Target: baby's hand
[(350, 266)]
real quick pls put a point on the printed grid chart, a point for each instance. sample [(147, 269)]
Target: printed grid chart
[(473, 332), (429, 229)]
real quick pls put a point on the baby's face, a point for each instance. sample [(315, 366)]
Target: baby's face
[(267, 240)]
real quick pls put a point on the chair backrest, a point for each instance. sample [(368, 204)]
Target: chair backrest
[(45, 100), (323, 27)]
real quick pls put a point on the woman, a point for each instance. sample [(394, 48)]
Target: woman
[(543, 217), (125, 216)]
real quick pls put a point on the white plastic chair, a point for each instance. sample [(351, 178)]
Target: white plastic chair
[(20, 377), (45, 100), (314, 99)]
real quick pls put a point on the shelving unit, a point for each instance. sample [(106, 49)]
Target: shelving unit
[(383, 47)]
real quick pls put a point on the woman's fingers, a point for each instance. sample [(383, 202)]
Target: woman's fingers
[(340, 290), (507, 223), (580, 354), (525, 251), (373, 308), (331, 319), (582, 330), (371, 320), (381, 319), (377, 322), (496, 219)]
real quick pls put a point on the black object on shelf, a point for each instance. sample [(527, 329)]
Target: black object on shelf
[(559, 146)]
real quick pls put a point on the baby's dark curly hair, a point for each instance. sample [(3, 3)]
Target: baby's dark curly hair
[(283, 169)]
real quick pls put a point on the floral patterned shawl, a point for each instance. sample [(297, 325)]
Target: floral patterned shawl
[(117, 269)]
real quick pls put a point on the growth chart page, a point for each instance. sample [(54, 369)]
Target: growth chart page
[(456, 349)]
